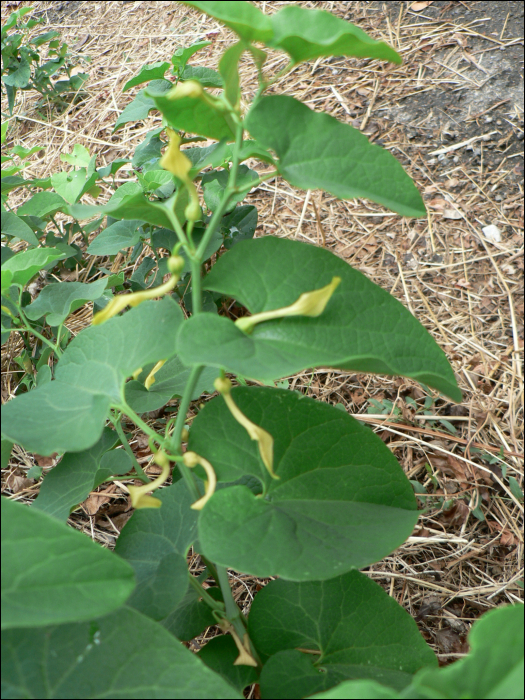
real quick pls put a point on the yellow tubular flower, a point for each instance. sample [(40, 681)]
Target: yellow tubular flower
[(175, 162), (264, 439), (191, 459), (150, 379), (139, 499), (309, 304), (188, 88), (119, 303)]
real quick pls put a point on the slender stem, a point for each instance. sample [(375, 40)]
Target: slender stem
[(30, 329), (120, 432), (128, 411), (196, 287), (178, 229), (183, 407), (214, 604)]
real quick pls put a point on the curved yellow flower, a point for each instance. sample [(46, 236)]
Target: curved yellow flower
[(150, 379), (139, 499), (191, 459), (119, 303), (178, 164), (309, 304), (264, 439)]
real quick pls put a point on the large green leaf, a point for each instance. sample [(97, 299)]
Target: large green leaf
[(341, 500), (200, 115), (207, 77), (53, 574), (71, 481), (244, 18), (192, 616), (492, 669), (316, 151), (57, 301), (23, 266), (359, 630), (122, 655), (155, 542), (68, 414), (13, 225), (363, 328), (306, 34), (170, 381), (69, 185)]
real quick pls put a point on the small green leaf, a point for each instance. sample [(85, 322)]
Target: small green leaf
[(13, 225), (19, 73), (79, 158), (182, 55), (142, 104), (155, 542), (43, 204), (54, 574), (363, 328), (73, 478), (243, 18), (22, 267), (316, 151), (116, 237), (124, 654), (515, 488), (341, 500), (69, 185), (207, 77), (152, 71), (57, 301), (214, 184), (307, 34), (357, 690)]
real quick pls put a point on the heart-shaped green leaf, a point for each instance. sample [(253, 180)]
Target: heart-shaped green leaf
[(316, 151), (53, 574), (341, 500), (117, 236), (22, 267), (152, 71), (43, 204), (363, 328), (357, 630), (13, 225), (68, 414)]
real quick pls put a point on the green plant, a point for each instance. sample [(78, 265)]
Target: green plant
[(271, 483), (22, 66)]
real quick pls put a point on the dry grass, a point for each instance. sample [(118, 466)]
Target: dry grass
[(465, 290)]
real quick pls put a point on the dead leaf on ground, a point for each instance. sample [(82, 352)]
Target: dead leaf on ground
[(95, 501), (17, 482), (450, 642), (44, 461), (421, 5)]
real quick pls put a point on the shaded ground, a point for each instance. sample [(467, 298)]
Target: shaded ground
[(461, 81)]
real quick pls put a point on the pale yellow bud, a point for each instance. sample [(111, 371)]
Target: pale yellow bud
[(139, 497), (309, 304), (187, 88), (119, 303), (176, 264), (192, 459), (174, 159), (264, 439), (150, 379)]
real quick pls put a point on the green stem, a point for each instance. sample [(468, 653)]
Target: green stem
[(30, 329), (214, 604), (178, 229), (196, 287), (175, 439), (128, 411), (120, 432)]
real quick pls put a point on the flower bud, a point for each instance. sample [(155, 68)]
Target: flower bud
[(139, 499), (186, 88), (191, 459), (150, 379), (176, 264)]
